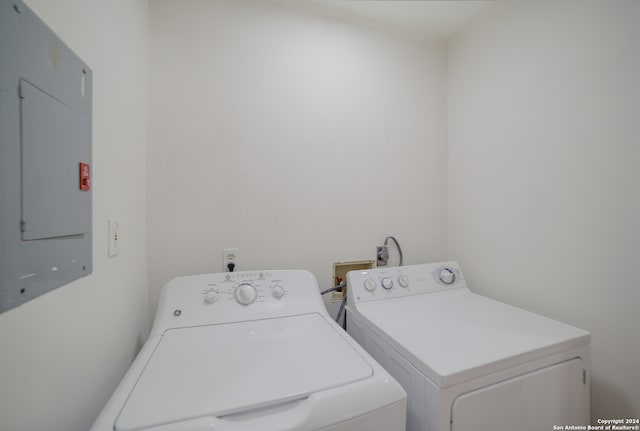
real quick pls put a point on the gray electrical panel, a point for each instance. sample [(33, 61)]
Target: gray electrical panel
[(45, 159)]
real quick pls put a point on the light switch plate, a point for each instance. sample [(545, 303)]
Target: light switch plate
[(114, 237)]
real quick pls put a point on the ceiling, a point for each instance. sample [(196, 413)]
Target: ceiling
[(421, 19)]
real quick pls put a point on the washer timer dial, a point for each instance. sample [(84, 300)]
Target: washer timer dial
[(245, 294)]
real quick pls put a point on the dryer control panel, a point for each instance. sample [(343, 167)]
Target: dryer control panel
[(237, 296), (394, 282)]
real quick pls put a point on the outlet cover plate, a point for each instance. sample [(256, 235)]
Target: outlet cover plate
[(230, 255)]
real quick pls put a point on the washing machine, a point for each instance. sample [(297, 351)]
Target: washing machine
[(251, 351), (466, 361)]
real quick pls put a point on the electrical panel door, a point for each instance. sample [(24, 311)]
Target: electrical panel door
[(45, 159), (53, 144)]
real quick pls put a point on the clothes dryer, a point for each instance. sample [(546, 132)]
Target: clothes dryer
[(467, 362), (251, 351)]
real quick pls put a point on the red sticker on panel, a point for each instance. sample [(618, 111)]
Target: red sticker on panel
[(85, 176)]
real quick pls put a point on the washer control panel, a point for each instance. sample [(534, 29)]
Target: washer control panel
[(237, 296), (392, 282), (245, 288)]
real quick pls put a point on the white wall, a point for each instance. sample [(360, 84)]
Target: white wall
[(62, 354), (301, 138), (544, 195), (305, 138)]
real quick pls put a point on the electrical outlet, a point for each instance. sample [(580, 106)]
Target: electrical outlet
[(230, 256)]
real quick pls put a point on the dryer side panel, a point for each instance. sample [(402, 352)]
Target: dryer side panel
[(419, 412)]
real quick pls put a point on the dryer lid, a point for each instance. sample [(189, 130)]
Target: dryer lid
[(219, 370)]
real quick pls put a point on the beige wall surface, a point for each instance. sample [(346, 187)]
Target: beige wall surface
[(301, 138)]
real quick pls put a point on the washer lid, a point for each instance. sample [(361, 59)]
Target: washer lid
[(455, 335), (229, 368)]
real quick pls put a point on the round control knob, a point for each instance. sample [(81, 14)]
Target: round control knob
[(277, 291), (403, 280), (370, 285), (211, 296), (447, 276), (245, 294), (387, 283)]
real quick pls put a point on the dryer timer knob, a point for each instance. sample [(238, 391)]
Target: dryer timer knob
[(387, 283), (370, 285), (447, 276)]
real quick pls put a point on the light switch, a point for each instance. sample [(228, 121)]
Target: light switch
[(114, 237)]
